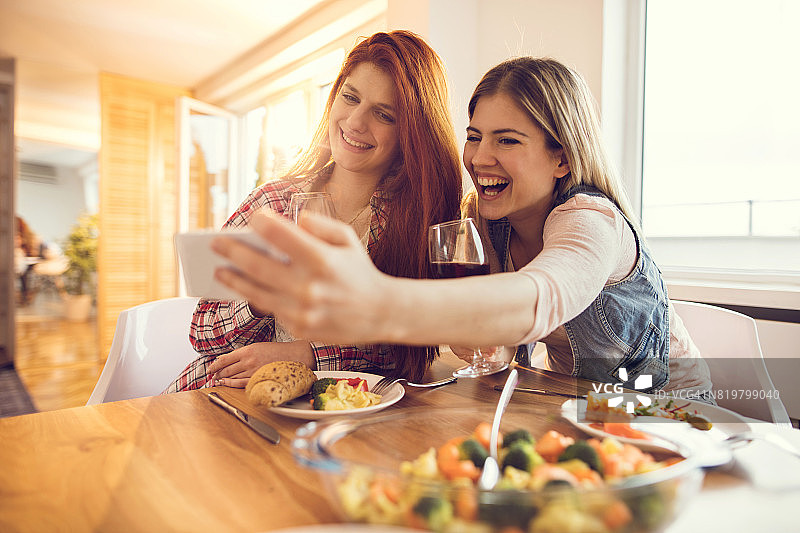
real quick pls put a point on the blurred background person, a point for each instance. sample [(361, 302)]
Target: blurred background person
[(28, 248)]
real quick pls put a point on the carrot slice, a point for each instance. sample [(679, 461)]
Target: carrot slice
[(617, 515), (552, 444), (483, 433), (623, 429)]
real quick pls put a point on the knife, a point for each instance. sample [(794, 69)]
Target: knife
[(544, 392), (263, 429)]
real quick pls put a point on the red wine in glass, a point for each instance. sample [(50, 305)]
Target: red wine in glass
[(460, 270), (456, 251)]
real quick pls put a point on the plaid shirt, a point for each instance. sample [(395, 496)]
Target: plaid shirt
[(219, 327)]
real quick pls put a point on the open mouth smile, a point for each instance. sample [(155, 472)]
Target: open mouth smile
[(492, 186), (356, 144)]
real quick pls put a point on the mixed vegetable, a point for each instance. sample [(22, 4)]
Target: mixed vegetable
[(536, 493), (334, 394), (597, 408)]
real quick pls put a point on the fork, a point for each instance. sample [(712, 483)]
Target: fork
[(383, 385), (491, 469)]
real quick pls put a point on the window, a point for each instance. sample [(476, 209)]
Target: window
[(293, 102), (287, 133), (206, 164), (252, 124), (721, 135)]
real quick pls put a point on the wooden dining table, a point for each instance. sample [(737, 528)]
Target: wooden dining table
[(178, 462)]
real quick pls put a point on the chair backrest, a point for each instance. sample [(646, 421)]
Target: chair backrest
[(150, 348), (722, 335)]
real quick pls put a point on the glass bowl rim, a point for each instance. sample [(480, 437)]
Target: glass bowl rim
[(312, 444)]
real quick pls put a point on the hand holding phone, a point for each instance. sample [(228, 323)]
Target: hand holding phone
[(198, 261)]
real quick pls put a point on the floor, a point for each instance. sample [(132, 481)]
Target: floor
[(14, 397), (57, 360)]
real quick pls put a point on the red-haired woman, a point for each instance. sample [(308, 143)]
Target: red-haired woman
[(385, 150)]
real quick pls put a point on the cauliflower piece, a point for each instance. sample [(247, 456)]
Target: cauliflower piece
[(424, 466), (560, 517), (353, 493)]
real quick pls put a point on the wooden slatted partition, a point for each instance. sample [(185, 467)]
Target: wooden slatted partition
[(138, 197)]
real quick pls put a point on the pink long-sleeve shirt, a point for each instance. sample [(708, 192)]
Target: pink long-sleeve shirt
[(587, 245)]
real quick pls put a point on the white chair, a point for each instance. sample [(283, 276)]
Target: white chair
[(150, 348), (722, 335)]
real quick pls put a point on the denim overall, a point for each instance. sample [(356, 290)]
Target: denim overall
[(627, 325)]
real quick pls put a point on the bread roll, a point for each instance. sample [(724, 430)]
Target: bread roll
[(279, 382)]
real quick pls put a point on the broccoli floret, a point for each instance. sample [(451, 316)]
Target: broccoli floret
[(648, 508), (474, 451), (518, 435), (583, 451), (522, 456), (328, 402), (557, 484), (321, 385), (436, 512), (320, 401)]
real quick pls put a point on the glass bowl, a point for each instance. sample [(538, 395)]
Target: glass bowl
[(360, 461)]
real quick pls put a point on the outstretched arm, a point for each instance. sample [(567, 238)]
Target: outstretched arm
[(330, 290)]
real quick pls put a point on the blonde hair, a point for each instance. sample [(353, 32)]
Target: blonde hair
[(558, 99)]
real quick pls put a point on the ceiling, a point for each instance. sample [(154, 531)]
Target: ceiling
[(32, 151), (178, 42), (60, 46)]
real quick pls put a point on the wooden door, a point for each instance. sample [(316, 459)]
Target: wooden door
[(138, 197)]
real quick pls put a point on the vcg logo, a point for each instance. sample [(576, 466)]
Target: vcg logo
[(643, 382)]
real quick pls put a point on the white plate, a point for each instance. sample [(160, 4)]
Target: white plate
[(300, 408), (708, 446)]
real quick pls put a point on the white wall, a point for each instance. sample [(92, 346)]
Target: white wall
[(52, 210), (567, 30), (472, 36)]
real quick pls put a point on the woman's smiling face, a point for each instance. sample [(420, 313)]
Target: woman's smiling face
[(362, 127), (511, 166)]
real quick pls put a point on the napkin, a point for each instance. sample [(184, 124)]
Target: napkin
[(768, 466)]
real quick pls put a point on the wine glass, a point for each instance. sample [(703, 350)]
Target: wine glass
[(316, 202), (455, 250)]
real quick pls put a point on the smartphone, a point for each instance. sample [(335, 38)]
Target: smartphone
[(198, 261)]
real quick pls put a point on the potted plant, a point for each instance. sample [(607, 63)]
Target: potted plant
[(81, 252)]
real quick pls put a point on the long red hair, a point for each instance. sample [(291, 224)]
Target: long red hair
[(424, 183)]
